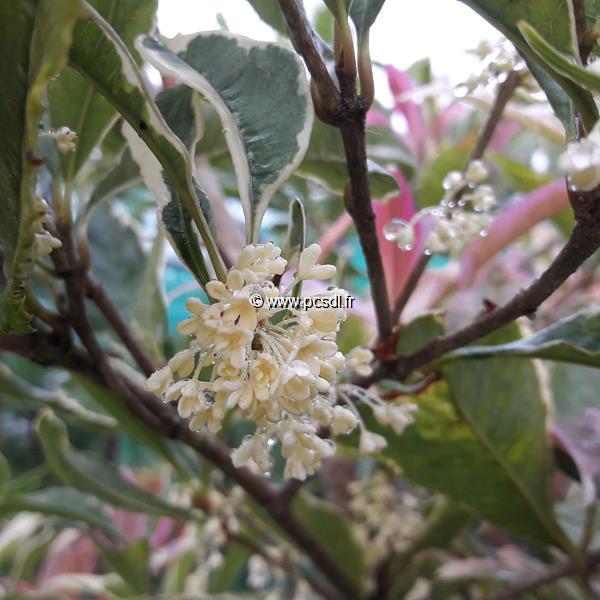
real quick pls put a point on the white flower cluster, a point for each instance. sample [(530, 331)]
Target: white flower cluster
[(462, 214), (66, 140), (44, 242), (395, 415), (385, 519), (580, 162), (497, 60), (278, 368)]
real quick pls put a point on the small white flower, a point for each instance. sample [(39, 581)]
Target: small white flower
[(453, 181), (581, 162), (308, 267), (476, 172), (359, 360), (371, 442), (65, 140), (344, 420)]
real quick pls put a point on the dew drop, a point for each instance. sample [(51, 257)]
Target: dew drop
[(407, 247), (394, 228), (428, 252), (483, 233)]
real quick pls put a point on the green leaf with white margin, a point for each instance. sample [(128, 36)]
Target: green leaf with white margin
[(559, 61), (63, 502), (325, 163), (35, 36), (575, 339), (74, 103), (260, 92), (117, 77), (94, 475), (555, 21)]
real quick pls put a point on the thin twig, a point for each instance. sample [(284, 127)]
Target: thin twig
[(305, 43), (504, 93), (98, 295), (163, 420), (584, 241), (565, 570), (346, 110), (361, 211), (410, 286)]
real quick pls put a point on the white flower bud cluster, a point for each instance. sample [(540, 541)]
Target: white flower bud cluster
[(44, 242), (278, 368), (395, 415), (580, 162), (496, 61), (462, 214), (385, 520), (66, 140)]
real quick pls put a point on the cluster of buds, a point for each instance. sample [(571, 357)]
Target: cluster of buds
[(44, 242), (463, 214), (277, 367), (497, 60), (65, 138), (385, 519), (580, 162)]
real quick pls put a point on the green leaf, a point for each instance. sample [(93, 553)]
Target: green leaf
[(116, 76), (574, 389), (182, 109), (261, 94), (325, 162), (4, 475), (520, 177), (271, 14), (559, 61), (555, 21), (131, 426), (74, 102), (17, 391), (94, 475), (124, 175), (480, 438), (295, 240), (575, 339), (332, 529), (34, 40), (224, 578), (429, 186), (419, 332), (363, 13), (63, 502), (130, 563)]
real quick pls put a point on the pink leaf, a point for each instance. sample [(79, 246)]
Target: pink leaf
[(397, 263), (400, 83), (540, 204)]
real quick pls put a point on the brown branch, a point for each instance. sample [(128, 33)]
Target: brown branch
[(305, 42), (97, 294), (163, 420), (347, 111), (505, 92), (584, 241), (361, 211), (565, 570), (410, 287)]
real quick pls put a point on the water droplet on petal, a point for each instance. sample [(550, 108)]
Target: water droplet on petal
[(483, 233)]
